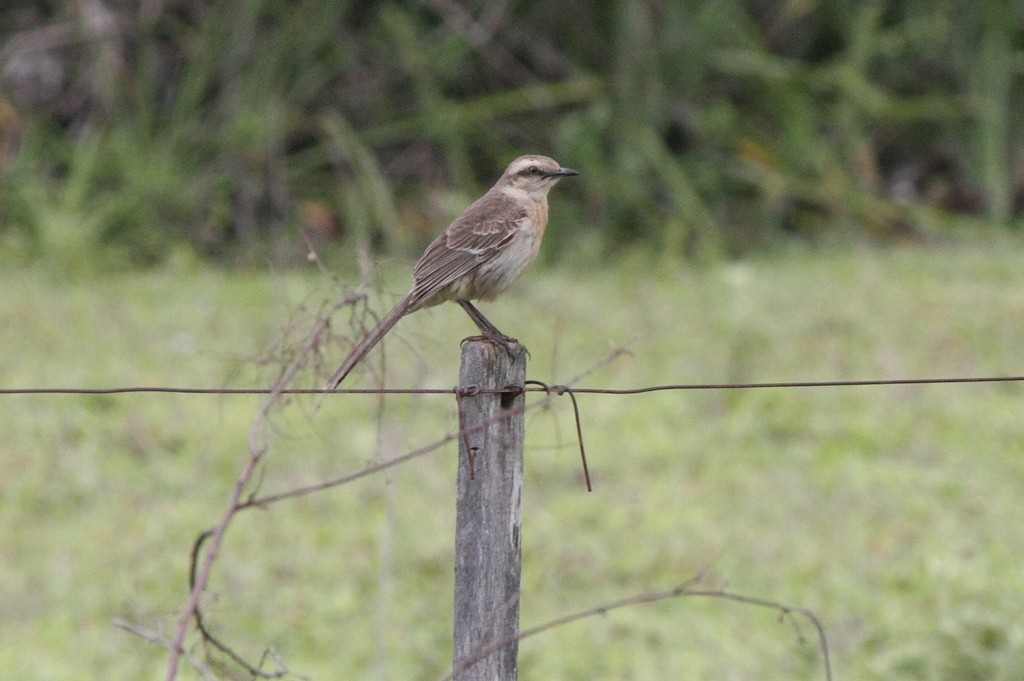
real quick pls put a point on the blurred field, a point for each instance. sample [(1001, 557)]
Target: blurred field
[(894, 513)]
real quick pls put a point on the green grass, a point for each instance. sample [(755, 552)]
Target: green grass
[(892, 512), (235, 128)]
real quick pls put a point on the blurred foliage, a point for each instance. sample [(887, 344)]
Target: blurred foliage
[(245, 127)]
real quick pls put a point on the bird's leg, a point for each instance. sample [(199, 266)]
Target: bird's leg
[(487, 329)]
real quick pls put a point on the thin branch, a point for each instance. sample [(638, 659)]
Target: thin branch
[(210, 639), (159, 639), (257, 449), (651, 597)]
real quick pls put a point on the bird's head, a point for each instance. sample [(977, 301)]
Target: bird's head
[(534, 175)]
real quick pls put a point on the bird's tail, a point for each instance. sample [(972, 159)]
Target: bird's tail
[(368, 343)]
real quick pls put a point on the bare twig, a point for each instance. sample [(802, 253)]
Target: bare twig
[(159, 639), (257, 449), (684, 589)]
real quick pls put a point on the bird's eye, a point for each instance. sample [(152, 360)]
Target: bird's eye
[(534, 170)]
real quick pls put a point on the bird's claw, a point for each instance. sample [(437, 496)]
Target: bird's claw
[(508, 343)]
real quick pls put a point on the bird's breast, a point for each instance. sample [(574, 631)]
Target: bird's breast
[(539, 213), (497, 274)]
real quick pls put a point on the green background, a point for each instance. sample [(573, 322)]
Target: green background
[(770, 191)]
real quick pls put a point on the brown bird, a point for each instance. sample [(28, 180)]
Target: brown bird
[(480, 254)]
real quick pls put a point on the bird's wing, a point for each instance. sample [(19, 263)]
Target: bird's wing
[(475, 237)]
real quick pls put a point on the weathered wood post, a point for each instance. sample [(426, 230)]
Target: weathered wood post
[(489, 511)]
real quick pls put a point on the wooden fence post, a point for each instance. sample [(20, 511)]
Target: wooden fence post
[(489, 511)]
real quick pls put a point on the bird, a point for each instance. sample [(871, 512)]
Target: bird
[(479, 255)]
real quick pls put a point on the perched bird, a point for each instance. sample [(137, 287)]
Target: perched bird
[(480, 254)]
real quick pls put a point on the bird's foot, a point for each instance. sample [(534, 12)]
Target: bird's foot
[(497, 339), (508, 343)]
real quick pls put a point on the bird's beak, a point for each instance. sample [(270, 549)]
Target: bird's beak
[(565, 172)]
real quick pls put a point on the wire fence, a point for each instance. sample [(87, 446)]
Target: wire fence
[(540, 388), (197, 583)]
